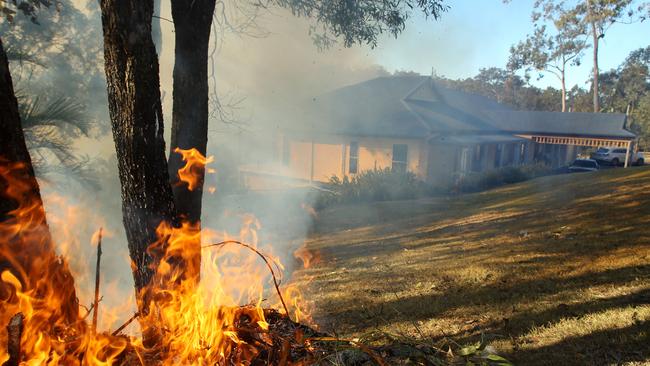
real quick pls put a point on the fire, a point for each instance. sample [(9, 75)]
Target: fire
[(195, 166), (221, 319)]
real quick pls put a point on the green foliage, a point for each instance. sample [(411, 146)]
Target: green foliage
[(371, 186), (551, 52), (51, 126), (360, 21), (56, 66), (476, 182)]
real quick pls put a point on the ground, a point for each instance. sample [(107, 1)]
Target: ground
[(556, 271)]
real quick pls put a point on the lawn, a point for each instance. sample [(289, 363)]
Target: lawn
[(555, 270)]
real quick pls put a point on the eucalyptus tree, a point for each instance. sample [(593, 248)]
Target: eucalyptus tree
[(553, 51)]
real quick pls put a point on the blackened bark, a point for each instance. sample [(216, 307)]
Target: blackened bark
[(29, 254), (12, 140), (131, 67), (192, 23)]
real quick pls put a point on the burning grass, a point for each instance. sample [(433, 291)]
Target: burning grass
[(181, 320), (554, 271)]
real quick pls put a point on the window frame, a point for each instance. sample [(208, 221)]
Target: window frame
[(400, 165)]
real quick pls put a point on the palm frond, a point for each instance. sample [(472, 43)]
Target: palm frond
[(21, 56), (61, 112)]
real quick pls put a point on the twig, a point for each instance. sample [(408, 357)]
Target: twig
[(14, 334), (126, 324), (275, 279), (97, 269)]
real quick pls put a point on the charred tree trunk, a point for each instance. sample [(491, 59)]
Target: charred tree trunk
[(29, 253), (192, 22), (131, 67)]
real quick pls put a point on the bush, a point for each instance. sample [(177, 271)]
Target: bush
[(388, 185), (371, 186), (476, 182)]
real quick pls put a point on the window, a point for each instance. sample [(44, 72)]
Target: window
[(353, 166), (620, 151), (400, 154)]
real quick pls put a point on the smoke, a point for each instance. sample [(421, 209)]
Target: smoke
[(278, 67)]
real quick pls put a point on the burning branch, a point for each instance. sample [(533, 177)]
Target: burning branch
[(15, 333), (276, 283), (126, 324), (97, 268)]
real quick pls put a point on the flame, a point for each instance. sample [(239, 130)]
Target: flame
[(206, 323), (195, 167), (308, 256)]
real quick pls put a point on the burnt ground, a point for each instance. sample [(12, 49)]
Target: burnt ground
[(556, 271)]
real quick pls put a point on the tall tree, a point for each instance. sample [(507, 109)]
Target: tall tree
[(599, 15), (551, 53), (131, 67)]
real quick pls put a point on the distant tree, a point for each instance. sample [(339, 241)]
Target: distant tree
[(554, 52), (596, 16), (599, 15), (626, 90)]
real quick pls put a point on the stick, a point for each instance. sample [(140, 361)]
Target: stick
[(14, 332), (96, 302), (126, 324), (275, 280)]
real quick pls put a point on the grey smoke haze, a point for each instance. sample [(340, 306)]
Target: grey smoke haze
[(280, 68)]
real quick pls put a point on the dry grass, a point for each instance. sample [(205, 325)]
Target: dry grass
[(557, 269)]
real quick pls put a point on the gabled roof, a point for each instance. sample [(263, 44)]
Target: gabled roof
[(416, 106)]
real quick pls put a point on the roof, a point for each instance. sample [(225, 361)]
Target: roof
[(415, 106), (567, 124)]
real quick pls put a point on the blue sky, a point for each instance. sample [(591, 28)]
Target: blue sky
[(478, 33)]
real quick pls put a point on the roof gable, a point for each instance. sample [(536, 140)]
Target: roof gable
[(418, 107)]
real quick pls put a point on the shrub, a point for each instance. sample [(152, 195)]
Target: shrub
[(371, 186), (476, 182)]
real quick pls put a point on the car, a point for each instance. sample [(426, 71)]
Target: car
[(584, 165), (616, 156)]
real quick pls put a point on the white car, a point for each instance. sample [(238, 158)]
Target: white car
[(616, 156)]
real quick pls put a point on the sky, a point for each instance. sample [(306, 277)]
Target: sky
[(478, 33)]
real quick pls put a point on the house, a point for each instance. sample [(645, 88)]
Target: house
[(414, 123)]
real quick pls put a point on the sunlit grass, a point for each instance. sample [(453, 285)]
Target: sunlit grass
[(557, 269)]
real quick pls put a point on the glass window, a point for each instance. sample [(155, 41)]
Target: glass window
[(400, 155), (353, 166)]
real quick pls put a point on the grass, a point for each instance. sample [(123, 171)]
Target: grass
[(556, 270)]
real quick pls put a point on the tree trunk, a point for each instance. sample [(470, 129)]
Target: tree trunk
[(131, 67), (595, 84), (192, 22), (563, 81), (28, 253), (156, 31)]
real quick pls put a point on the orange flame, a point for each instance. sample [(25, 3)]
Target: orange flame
[(201, 323), (195, 166)]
